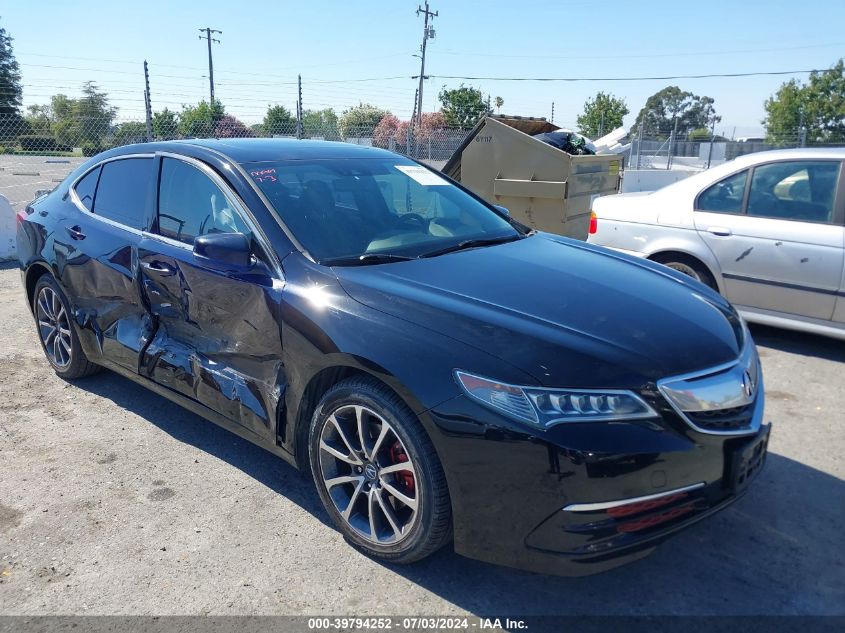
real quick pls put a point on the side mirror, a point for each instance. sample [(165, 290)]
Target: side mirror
[(230, 249), (504, 210)]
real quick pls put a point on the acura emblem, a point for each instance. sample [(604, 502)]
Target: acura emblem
[(747, 384), (370, 471)]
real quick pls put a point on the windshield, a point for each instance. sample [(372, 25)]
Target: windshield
[(345, 209)]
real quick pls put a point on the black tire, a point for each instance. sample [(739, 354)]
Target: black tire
[(430, 526), (77, 365), (689, 266)]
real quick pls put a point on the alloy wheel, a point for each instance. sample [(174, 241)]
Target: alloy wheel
[(685, 268), (369, 475), (54, 327)]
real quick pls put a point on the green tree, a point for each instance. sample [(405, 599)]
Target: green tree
[(93, 114), (321, 123), (278, 121), (165, 125), (675, 109), (499, 103), (360, 120), (818, 106), (39, 119), (11, 122), (198, 121), (462, 106), (129, 132), (602, 114)]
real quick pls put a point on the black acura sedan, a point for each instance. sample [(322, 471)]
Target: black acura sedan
[(443, 372)]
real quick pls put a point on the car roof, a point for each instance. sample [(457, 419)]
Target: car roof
[(714, 174), (797, 153), (251, 150)]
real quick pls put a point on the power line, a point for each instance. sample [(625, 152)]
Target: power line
[(665, 77), (699, 53)]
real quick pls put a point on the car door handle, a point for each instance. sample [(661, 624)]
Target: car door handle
[(719, 230), (76, 232), (159, 268)]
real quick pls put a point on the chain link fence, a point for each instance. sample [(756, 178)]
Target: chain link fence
[(696, 154), (37, 155)]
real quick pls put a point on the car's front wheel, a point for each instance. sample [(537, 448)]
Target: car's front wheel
[(56, 333), (377, 472)]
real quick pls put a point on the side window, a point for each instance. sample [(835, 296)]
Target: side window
[(190, 204), (725, 196), (122, 191), (794, 190), (86, 187)]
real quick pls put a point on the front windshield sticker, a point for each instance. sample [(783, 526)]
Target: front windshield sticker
[(264, 175), (421, 175)]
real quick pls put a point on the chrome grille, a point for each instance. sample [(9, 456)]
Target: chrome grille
[(721, 420), (723, 400)]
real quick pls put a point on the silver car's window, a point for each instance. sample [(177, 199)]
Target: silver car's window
[(190, 204), (725, 196), (794, 190)]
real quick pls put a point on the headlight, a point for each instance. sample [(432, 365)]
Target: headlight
[(546, 407)]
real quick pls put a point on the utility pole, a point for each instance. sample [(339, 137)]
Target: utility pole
[(640, 139), (208, 37), (299, 106), (148, 108), (712, 141), (428, 33), (552, 120)]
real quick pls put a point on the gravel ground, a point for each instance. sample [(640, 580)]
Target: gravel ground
[(115, 501)]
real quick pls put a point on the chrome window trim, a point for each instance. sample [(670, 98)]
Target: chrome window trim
[(757, 401), (240, 208), (74, 197), (608, 505)]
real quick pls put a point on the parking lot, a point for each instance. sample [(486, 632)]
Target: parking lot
[(113, 500)]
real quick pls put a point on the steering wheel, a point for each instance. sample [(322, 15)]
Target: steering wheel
[(416, 218)]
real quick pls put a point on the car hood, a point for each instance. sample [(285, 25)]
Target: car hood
[(568, 313)]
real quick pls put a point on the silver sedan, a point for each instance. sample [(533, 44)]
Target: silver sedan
[(767, 230)]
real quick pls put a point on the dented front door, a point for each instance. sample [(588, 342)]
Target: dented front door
[(217, 337)]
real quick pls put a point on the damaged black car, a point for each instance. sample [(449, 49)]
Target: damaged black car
[(445, 374)]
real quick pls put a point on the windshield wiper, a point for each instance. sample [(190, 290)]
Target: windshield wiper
[(485, 241), (365, 259)]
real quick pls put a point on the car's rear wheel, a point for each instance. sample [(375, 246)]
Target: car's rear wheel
[(56, 333), (377, 473), (688, 266)]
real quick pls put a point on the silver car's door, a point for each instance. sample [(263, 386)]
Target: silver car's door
[(839, 311), (780, 245)]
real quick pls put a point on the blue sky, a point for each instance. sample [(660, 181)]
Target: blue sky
[(265, 44)]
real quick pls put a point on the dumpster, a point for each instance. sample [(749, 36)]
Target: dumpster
[(542, 186)]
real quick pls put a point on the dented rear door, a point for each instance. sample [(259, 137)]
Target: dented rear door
[(217, 336), (96, 246)]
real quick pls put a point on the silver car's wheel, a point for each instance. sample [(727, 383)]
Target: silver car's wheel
[(369, 475), (686, 269), (54, 328), (689, 266)]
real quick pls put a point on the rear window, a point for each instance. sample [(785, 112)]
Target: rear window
[(86, 187), (122, 191)]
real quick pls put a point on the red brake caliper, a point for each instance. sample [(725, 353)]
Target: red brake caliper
[(404, 477)]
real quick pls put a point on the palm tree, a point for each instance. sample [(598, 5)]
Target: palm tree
[(499, 103)]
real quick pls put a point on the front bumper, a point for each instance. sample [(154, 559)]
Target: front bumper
[(578, 499)]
